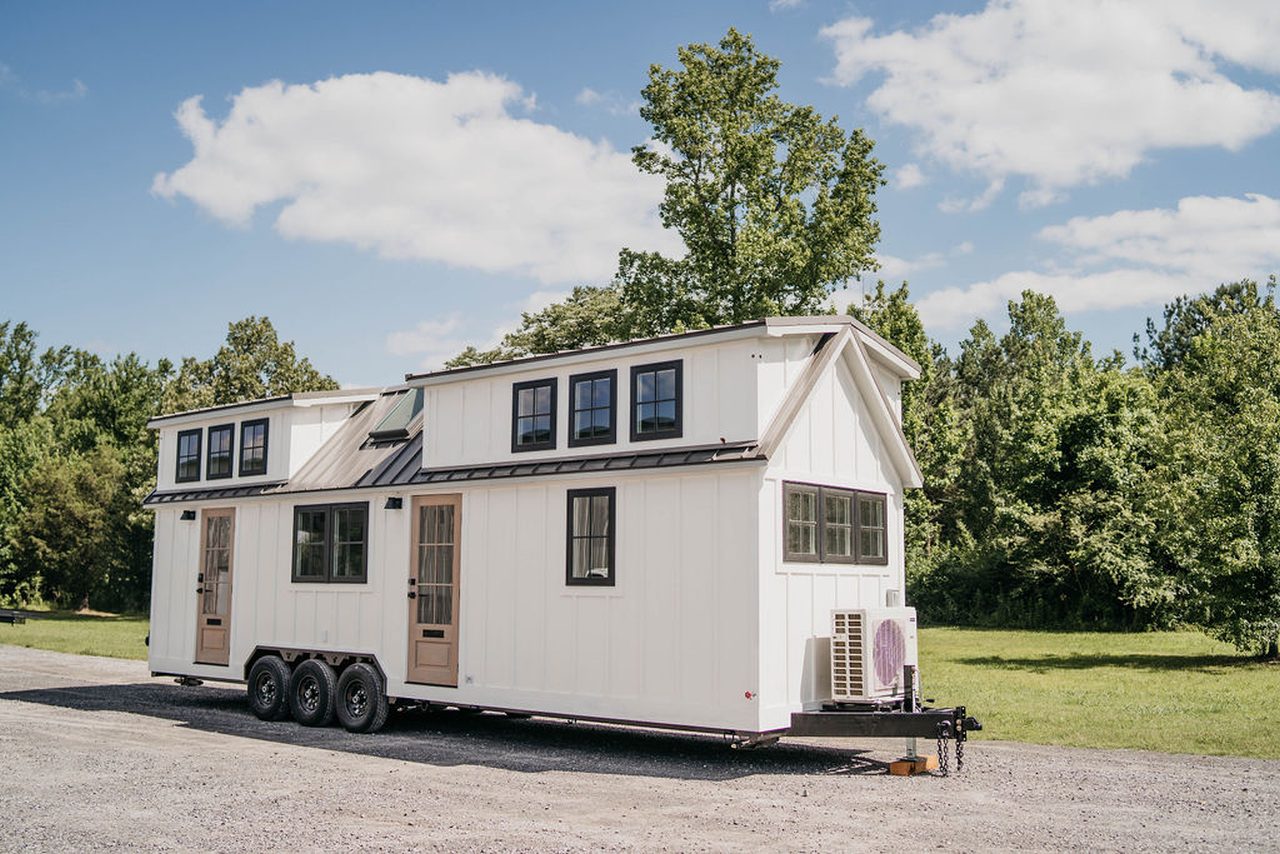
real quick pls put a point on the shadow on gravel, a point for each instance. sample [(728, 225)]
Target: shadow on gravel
[(491, 740), (1045, 663)]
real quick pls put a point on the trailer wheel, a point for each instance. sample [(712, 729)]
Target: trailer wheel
[(313, 693), (362, 699), (269, 688)]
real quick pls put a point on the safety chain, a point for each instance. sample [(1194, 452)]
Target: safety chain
[(959, 755), (943, 755)]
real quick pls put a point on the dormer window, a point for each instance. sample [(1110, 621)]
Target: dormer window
[(593, 409), (221, 442), (253, 447), (657, 405), (188, 456), (533, 415)]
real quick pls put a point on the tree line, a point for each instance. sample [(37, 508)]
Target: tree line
[(76, 457)]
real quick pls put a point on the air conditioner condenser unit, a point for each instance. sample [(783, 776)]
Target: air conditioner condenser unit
[(869, 648)]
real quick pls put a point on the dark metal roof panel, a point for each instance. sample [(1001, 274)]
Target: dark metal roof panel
[(207, 494)]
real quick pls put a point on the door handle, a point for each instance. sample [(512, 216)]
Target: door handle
[(413, 594), (413, 582), (199, 589)]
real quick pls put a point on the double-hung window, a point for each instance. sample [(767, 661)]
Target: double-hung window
[(188, 456), (826, 524), (657, 401), (593, 409), (590, 549), (331, 543), (253, 447), (533, 415), (221, 441)]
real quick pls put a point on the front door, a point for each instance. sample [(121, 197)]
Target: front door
[(213, 588), (433, 590)]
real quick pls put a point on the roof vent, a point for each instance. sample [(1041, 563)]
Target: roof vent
[(395, 424)]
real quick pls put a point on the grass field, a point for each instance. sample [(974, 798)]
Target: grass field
[(114, 636), (1178, 692)]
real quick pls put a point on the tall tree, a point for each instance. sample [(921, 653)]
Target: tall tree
[(1219, 479), (253, 363), (774, 203)]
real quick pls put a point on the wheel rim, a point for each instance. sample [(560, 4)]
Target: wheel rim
[(309, 694), (265, 688), (357, 699)]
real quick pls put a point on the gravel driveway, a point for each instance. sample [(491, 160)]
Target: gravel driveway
[(96, 754)]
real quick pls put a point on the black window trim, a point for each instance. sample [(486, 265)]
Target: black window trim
[(178, 458), (855, 558), (612, 376), (266, 445), (611, 580), (516, 388), (678, 431), (231, 452), (328, 510)]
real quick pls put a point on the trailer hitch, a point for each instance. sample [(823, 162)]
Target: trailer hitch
[(957, 727)]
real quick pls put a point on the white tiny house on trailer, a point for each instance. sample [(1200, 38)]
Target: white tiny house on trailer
[(658, 532)]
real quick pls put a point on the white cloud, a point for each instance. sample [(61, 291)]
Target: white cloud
[(11, 82), (415, 168), (611, 102), (893, 267), (1133, 258), (963, 248), (1065, 94), (783, 5), (427, 336), (909, 177)]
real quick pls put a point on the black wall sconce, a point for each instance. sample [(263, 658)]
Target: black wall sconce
[(393, 503), (188, 515)]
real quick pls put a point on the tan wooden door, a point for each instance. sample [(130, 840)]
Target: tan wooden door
[(433, 590), (213, 616)]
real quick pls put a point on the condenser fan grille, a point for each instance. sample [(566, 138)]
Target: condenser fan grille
[(888, 652)]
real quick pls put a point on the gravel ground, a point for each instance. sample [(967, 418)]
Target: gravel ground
[(96, 754)]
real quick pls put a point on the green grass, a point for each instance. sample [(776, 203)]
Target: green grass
[(1180, 692), (1173, 691), (117, 636)]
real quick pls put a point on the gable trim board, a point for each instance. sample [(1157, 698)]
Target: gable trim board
[(848, 346)]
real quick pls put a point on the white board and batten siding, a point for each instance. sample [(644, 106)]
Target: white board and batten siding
[(706, 625)]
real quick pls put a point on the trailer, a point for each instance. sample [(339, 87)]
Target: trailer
[(700, 531)]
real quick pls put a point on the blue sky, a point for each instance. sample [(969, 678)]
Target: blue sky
[(389, 181)]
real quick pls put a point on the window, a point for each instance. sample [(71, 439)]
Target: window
[(253, 447), (533, 415), (592, 409), (589, 558), (656, 401), (188, 456), (331, 543), (824, 524), (871, 529), (220, 442)]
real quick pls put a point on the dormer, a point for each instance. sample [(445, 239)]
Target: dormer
[(253, 443)]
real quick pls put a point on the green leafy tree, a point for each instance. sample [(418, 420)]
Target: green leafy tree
[(774, 203), (1219, 479), (72, 524), (253, 363), (25, 375)]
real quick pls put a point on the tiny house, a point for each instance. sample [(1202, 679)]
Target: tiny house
[(701, 531)]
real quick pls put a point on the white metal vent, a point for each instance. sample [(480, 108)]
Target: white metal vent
[(869, 648)]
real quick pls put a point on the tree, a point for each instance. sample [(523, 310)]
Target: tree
[(254, 363), (1187, 317), (25, 377), (589, 316), (1219, 479), (71, 527), (774, 203)]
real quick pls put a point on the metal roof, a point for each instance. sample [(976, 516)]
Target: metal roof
[(207, 494), (351, 455)]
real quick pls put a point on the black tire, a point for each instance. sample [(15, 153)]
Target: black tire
[(313, 693), (362, 699), (269, 688)]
